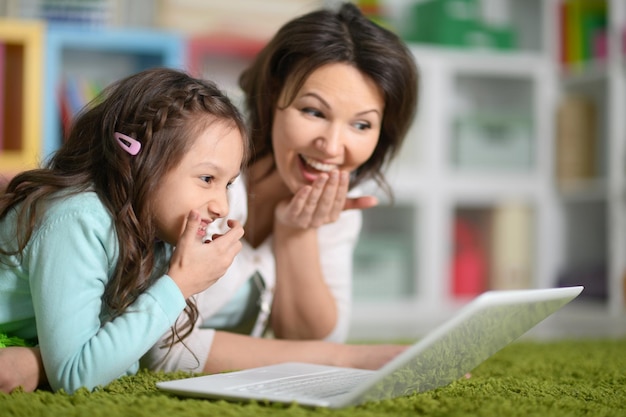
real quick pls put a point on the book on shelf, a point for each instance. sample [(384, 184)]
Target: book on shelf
[(2, 95), (469, 263), (74, 94), (576, 141), (89, 13), (511, 246), (583, 32)]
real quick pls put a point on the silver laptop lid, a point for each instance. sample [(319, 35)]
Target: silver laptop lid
[(483, 327)]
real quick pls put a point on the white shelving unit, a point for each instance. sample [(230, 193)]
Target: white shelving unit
[(617, 161), (426, 180), (432, 189), (603, 198)]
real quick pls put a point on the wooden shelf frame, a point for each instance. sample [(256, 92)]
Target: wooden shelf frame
[(24, 62)]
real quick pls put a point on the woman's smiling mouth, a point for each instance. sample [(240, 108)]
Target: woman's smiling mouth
[(317, 165)]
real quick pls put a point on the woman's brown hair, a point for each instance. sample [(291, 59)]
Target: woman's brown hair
[(323, 37), (164, 109)]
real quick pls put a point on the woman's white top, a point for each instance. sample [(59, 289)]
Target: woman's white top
[(223, 304)]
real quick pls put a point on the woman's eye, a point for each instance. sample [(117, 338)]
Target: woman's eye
[(207, 178), (313, 112), (229, 185), (362, 125)]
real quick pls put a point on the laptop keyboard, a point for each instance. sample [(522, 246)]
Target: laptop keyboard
[(327, 384)]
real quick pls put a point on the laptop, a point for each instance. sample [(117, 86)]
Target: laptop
[(488, 323)]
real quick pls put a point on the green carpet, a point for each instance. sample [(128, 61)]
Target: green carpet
[(527, 378)]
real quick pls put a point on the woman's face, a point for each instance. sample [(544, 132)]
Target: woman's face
[(334, 122)]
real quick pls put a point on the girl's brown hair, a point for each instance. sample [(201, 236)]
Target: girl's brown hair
[(164, 109), (323, 37)]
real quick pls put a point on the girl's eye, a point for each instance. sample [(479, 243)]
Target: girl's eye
[(362, 125), (229, 185), (207, 178)]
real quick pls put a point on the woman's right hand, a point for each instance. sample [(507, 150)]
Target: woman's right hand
[(196, 264), (321, 202)]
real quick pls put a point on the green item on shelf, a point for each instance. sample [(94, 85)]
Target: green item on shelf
[(501, 37), (386, 255), (456, 23), (489, 141), (483, 36), (6, 341), (441, 21)]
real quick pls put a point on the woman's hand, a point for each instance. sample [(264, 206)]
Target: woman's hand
[(21, 367), (235, 351), (304, 305), (195, 264), (321, 202), (369, 356)]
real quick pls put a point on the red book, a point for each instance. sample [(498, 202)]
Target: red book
[(563, 56), (469, 266)]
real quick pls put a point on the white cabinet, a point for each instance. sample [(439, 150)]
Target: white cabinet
[(506, 100), (482, 154)]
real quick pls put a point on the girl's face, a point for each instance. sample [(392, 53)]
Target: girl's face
[(199, 182), (334, 122)]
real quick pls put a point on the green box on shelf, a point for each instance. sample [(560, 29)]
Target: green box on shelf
[(456, 23), (485, 37), (502, 37), (442, 21), (487, 142)]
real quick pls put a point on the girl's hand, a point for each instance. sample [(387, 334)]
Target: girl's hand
[(21, 367), (321, 202), (195, 264)]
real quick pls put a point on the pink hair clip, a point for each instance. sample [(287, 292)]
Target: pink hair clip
[(127, 143)]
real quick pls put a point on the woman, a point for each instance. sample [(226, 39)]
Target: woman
[(329, 101)]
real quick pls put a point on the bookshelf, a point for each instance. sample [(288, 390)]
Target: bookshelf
[(89, 59), (503, 201), (453, 184), (221, 57), (22, 77)]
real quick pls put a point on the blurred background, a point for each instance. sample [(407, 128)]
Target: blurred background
[(513, 175)]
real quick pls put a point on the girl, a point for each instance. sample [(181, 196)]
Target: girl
[(329, 99), (102, 249)]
